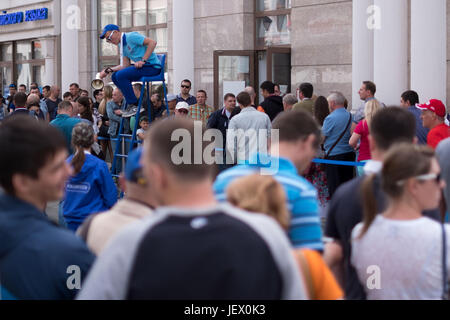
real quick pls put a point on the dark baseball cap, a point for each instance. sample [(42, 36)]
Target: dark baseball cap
[(109, 27)]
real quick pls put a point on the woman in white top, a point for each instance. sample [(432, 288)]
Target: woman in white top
[(398, 254)]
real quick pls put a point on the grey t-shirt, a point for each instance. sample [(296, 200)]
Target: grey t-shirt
[(443, 155), (182, 253)]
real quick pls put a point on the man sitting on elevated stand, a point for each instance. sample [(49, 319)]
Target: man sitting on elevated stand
[(133, 47)]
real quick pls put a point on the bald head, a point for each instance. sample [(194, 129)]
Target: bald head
[(252, 93), (33, 99)]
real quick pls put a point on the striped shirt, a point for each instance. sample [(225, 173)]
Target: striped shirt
[(200, 113), (305, 230)]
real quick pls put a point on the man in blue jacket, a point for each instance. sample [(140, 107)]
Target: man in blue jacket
[(38, 260)]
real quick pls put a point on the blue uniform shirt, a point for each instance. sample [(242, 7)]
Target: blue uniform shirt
[(304, 230), (135, 49), (92, 190)]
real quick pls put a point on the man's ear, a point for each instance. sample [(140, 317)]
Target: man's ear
[(20, 183)]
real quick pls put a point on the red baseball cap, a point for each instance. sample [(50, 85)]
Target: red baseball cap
[(434, 105)]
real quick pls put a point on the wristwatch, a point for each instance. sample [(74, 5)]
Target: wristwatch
[(109, 70), (144, 61)]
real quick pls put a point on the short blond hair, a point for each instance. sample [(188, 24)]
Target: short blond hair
[(260, 194)]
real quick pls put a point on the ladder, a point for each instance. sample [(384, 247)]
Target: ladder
[(121, 152)]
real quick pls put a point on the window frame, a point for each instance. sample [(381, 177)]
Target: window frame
[(262, 14), (13, 64)]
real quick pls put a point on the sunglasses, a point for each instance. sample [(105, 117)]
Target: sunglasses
[(425, 177), (431, 176), (110, 36), (183, 111), (186, 87)]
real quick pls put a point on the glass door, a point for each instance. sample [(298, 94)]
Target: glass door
[(233, 71), (279, 68)]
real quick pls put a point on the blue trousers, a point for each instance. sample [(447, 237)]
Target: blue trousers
[(123, 79)]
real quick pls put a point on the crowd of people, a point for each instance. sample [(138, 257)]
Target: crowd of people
[(225, 230)]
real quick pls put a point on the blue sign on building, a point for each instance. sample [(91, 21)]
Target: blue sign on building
[(18, 17), (11, 18), (37, 14)]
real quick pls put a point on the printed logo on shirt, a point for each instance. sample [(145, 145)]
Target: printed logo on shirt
[(83, 187)]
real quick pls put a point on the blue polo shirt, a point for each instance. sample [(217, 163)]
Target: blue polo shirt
[(333, 126), (135, 49), (305, 230), (421, 132)]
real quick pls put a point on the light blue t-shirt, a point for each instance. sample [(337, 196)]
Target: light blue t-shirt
[(333, 126), (134, 49), (304, 230)]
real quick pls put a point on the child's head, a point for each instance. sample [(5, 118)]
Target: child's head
[(263, 194), (144, 123)]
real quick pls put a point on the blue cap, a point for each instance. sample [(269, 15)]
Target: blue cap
[(109, 27), (133, 166), (12, 85)]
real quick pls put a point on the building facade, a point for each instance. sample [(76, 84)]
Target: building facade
[(223, 46)]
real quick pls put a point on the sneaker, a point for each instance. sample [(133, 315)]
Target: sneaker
[(131, 111)]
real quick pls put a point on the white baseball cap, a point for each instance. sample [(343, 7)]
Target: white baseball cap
[(182, 105)]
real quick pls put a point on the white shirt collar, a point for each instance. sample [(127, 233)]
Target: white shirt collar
[(373, 167)]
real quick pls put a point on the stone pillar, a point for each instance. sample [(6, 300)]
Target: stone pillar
[(70, 25), (183, 42), (48, 48), (391, 50), (428, 49), (363, 47)]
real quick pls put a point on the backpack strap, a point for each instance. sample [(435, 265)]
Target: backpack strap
[(340, 137)]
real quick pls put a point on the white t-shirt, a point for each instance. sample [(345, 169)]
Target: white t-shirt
[(405, 256)]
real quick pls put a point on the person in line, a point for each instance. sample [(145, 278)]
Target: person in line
[(35, 255), (163, 258), (272, 104), (388, 127), (289, 101), (408, 100), (138, 203), (433, 118), (248, 132), (105, 143), (133, 47), (443, 156), (91, 188), (336, 130), (316, 174), (65, 122), (361, 134), (263, 194), (306, 103), (406, 246), (291, 155)]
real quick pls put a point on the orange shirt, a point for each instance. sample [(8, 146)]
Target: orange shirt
[(318, 277)]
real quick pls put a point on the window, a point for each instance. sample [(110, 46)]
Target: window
[(148, 17), (21, 62), (273, 23)]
